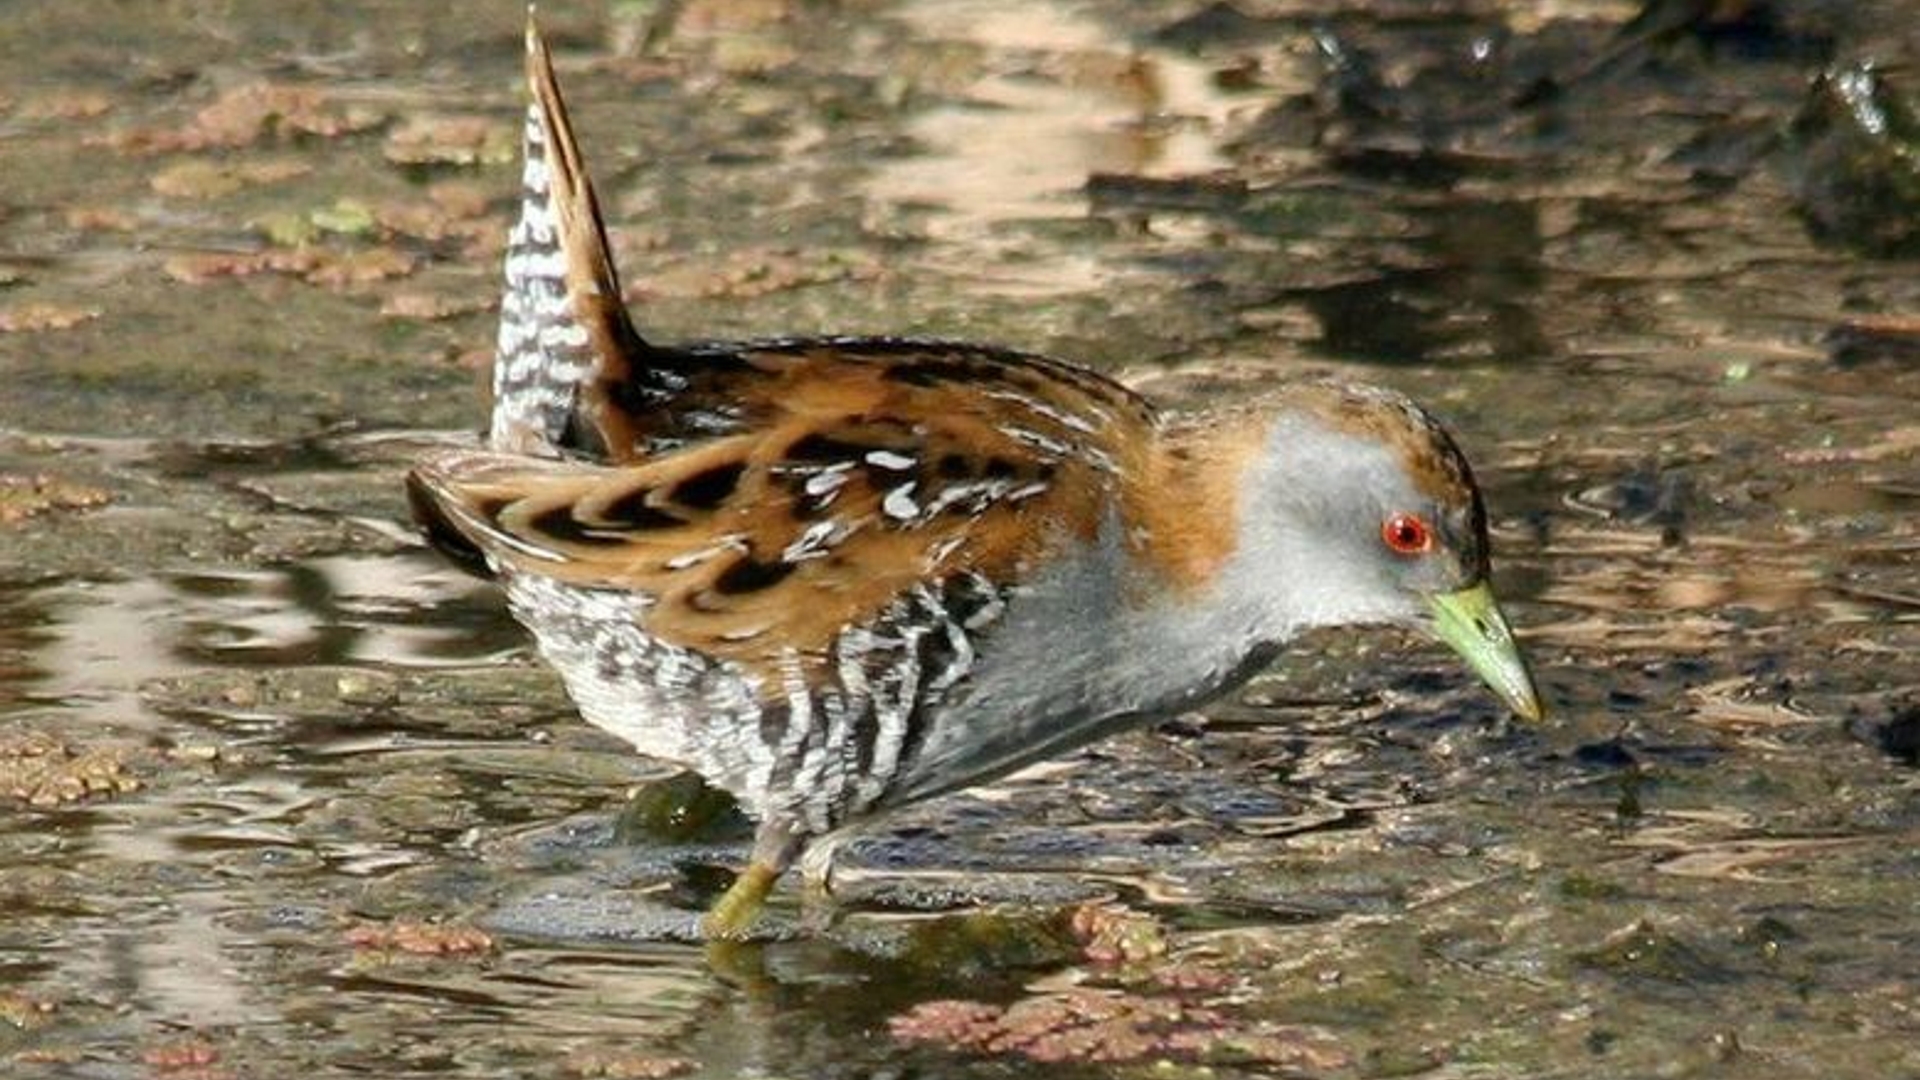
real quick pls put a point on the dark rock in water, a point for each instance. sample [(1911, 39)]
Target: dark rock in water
[(1723, 154), (1741, 28), (1676, 34), (1875, 339), (1191, 193), (1645, 951), (1901, 736), (1216, 24), (680, 809), (1610, 754), (1898, 733), (1859, 161), (1649, 494)]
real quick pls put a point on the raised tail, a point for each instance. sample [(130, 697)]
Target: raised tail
[(566, 345)]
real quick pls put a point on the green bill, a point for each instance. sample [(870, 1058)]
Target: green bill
[(1470, 621)]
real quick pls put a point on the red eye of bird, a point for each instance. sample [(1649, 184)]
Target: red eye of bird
[(1407, 534)]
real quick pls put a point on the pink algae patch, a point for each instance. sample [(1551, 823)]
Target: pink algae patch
[(1113, 1026), (246, 114), (316, 266), (420, 938)]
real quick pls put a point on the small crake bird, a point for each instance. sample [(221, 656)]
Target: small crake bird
[(840, 575)]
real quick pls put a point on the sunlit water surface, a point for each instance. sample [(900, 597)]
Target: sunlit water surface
[(281, 794)]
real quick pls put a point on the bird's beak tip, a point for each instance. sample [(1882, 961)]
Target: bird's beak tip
[(1470, 621)]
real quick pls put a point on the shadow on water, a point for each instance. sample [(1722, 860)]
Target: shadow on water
[(1469, 296), (281, 792)]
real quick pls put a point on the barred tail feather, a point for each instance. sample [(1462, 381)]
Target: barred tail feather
[(565, 342)]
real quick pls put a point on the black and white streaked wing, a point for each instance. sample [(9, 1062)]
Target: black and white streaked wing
[(843, 733), (811, 744)]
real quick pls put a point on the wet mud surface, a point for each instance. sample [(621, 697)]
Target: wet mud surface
[(281, 794)]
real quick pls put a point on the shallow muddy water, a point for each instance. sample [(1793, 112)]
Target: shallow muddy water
[(282, 794)]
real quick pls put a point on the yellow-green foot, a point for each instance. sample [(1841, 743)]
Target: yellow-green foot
[(733, 914)]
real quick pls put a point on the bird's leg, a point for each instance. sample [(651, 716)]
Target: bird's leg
[(775, 847), (735, 911), (816, 864), (820, 910)]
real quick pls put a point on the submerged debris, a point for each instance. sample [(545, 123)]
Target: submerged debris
[(1892, 724), (1871, 339), (679, 809), (249, 113), (452, 140), (23, 1011), (590, 1065), (1137, 1006), (1859, 162), (43, 771), (32, 317), (23, 497), (1646, 951), (1114, 935), (200, 179), (1088, 1025), (184, 1059), (429, 307), (420, 938), (316, 266)]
